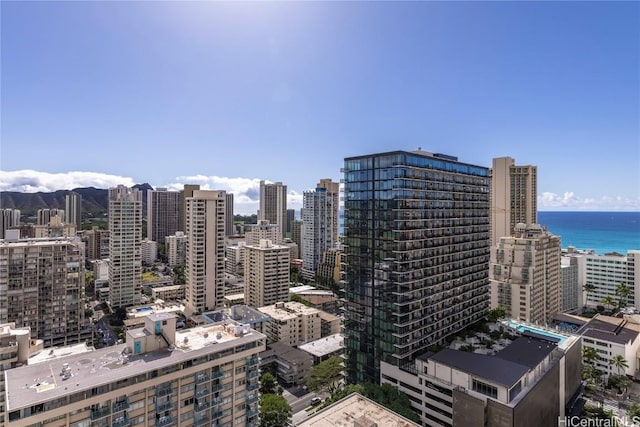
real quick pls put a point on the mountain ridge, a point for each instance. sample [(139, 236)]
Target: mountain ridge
[(95, 201)]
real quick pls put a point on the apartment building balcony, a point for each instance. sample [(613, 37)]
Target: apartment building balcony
[(251, 399), (201, 378), (253, 373), (164, 391), (253, 361), (201, 420), (164, 421), (120, 405), (165, 406), (121, 421), (201, 406), (202, 391), (218, 373), (252, 412), (101, 412)]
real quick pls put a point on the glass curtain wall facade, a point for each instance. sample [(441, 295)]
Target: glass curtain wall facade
[(417, 255)]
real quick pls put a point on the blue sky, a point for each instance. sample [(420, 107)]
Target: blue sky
[(225, 94)]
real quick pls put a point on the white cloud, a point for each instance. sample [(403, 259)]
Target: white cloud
[(570, 201), (30, 181), (246, 191)]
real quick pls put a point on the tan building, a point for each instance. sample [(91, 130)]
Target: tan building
[(329, 324), (292, 323), (513, 196), (329, 271), (168, 293), (96, 243), (357, 411), (55, 228), (159, 377), (234, 262), (43, 216), (525, 274), (205, 251), (125, 227), (263, 230), (266, 274), (42, 287), (273, 205), (15, 348)]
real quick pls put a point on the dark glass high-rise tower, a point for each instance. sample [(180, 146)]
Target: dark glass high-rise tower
[(417, 255)]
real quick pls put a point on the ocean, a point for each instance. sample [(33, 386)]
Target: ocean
[(604, 232)]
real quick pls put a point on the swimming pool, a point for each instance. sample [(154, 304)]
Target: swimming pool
[(143, 309), (522, 328)]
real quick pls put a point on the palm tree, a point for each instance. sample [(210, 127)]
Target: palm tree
[(608, 301), (624, 292), (589, 355), (588, 288), (619, 362)]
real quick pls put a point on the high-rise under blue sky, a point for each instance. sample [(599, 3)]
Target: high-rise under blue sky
[(227, 93)]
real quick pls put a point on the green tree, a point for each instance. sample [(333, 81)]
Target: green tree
[(588, 288), (294, 274), (88, 312), (589, 355), (268, 383), (634, 411), (179, 275), (326, 375), (623, 292), (274, 411), (608, 301), (496, 314), (619, 362)]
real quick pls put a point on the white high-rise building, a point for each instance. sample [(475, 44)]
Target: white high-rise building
[(125, 236), (525, 274), (176, 247), (513, 197), (604, 273), (149, 250), (266, 274), (205, 228), (273, 205), (9, 218), (319, 224), (571, 285), (73, 208)]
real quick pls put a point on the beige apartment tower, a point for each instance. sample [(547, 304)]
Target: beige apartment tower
[(125, 237), (513, 196), (266, 274), (273, 205), (205, 228), (525, 274)]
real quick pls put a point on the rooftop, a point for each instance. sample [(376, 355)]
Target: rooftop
[(353, 410), (42, 380), (287, 310), (290, 354), (494, 369), (324, 346), (612, 329)]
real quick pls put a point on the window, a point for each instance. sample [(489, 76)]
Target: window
[(486, 389)]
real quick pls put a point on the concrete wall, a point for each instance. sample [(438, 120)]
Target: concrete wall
[(468, 411)]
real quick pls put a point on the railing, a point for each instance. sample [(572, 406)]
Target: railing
[(253, 374), (202, 391), (252, 361), (120, 405), (201, 421), (252, 386), (100, 412), (252, 412), (200, 378), (166, 406), (164, 421), (251, 398), (164, 391), (219, 373), (201, 406), (121, 421)]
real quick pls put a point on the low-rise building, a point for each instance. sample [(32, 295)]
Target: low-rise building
[(168, 293), (611, 337), (329, 324), (530, 382), (291, 365), (292, 323), (324, 348), (357, 411)]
